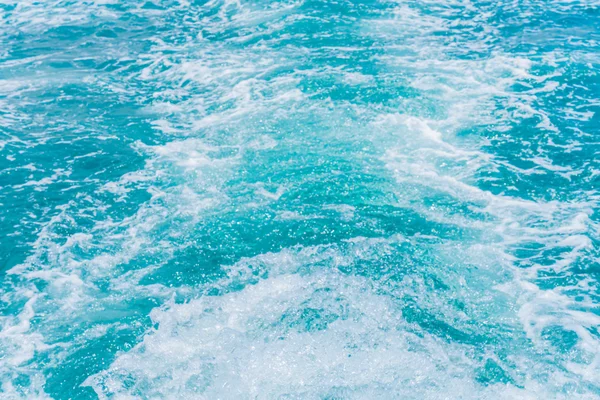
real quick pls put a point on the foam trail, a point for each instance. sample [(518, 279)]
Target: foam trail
[(299, 199)]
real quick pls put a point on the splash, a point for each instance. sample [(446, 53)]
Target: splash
[(299, 199)]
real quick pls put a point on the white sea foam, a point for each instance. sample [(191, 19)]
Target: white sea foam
[(272, 351), (296, 333), (291, 324)]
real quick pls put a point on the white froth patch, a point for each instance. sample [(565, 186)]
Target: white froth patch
[(261, 191), (261, 342), (298, 331), (356, 78)]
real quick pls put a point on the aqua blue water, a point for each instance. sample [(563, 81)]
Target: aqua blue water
[(299, 199)]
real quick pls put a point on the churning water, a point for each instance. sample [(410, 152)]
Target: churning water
[(299, 199)]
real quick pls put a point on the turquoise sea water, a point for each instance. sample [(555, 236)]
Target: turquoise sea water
[(299, 199)]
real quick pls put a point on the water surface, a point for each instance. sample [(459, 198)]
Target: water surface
[(299, 199)]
